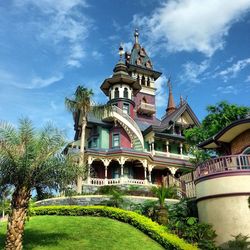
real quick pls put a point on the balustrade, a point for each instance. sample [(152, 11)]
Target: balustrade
[(223, 164)]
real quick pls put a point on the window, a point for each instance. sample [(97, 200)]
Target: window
[(116, 140), (125, 108), (125, 93), (94, 142), (116, 93), (143, 80)]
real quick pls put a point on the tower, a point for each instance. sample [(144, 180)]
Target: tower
[(140, 68), (121, 87)]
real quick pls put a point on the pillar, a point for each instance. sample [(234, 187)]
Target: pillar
[(181, 146), (167, 146)]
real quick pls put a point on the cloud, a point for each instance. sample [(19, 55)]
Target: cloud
[(228, 90), (98, 56), (247, 79), (161, 93), (63, 24), (233, 71), (192, 25), (193, 72), (38, 82)]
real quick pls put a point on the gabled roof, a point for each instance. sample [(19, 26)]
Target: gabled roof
[(227, 134), (168, 120)]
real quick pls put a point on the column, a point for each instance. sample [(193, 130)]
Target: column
[(106, 175), (167, 147), (88, 176), (153, 147), (149, 175), (181, 146), (145, 174), (122, 174)]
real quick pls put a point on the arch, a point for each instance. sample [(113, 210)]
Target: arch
[(143, 81), (246, 151), (125, 93), (116, 92), (144, 99)]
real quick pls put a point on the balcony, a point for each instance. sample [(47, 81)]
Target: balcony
[(224, 164), (146, 108), (172, 155), (116, 181)]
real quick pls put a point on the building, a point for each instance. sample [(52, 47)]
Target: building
[(223, 183), (130, 145)]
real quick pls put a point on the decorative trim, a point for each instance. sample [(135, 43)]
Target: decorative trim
[(222, 196), (222, 174)]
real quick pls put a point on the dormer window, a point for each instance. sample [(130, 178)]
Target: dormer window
[(116, 93), (125, 93)]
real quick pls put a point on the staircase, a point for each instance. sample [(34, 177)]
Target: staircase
[(128, 124)]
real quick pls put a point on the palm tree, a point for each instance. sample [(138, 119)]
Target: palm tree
[(82, 104), (30, 158)]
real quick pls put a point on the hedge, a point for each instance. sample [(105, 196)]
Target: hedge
[(152, 229)]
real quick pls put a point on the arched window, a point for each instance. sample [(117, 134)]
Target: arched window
[(143, 80), (125, 93), (116, 93), (144, 99), (246, 151), (148, 82)]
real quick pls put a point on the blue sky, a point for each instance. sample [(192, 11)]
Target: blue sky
[(49, 47)]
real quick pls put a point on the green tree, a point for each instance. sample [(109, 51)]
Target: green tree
[(5, 193), (219, 116), (30, 158), (81, 104)]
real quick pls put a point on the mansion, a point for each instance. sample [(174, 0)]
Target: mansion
[(130, 145)]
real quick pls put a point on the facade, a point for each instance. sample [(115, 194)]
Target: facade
[(130, 145), (223, 183)]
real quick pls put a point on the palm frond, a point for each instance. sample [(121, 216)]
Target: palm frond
[(100, 110), (8, 133)]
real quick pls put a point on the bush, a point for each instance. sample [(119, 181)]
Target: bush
[(189, 228), (240, 242), (154, 230)]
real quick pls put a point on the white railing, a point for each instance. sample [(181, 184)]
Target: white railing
[(134, 181), (116, 181), (172, 155), (147, 106), (126, 118), (97, 181), (223, 164), (190, 189)]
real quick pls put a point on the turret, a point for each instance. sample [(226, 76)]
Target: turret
[(121, 87)]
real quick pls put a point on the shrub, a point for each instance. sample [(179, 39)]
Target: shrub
[(154, 230), (189, 228), (240, 242)]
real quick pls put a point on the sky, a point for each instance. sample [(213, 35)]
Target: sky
[(49, 47)]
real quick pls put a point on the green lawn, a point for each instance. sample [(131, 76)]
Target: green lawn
[(88, 233)]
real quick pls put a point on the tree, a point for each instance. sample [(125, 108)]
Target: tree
[(219, 116), (5, 193), (82, 104), (30, 158)]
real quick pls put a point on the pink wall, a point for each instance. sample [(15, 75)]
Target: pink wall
[(125, 141)]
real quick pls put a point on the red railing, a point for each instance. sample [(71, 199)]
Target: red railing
[(223, 164)]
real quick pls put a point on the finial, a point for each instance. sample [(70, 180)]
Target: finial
[(136, 35), (169, 84), (181, 100), (121, 51)]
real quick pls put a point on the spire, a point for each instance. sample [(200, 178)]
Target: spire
[(171, 105), (136, 35), (121, 51)]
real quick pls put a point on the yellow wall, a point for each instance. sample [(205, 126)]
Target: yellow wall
[(229, 215)]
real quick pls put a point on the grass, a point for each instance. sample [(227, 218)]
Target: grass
[(89, 233)]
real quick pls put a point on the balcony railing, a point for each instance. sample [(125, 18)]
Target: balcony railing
[(146, 108), (116, 181), (223, 164), (172, 155)]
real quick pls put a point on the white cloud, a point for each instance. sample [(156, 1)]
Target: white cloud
[(192, 25), (228, 90), (193, 72), (64, 21), (161, 92), (232, 71), (97, 55), (247, 79), (38, 82)]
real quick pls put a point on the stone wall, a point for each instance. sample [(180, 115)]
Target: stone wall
[(86, 200), (240, 142)]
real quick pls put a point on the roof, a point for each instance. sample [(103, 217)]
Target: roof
[(227, 134), (120, 75)]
